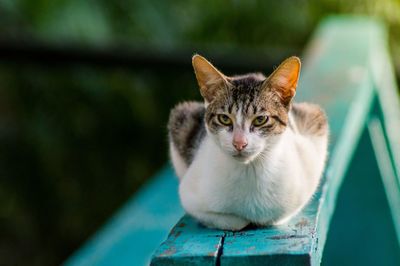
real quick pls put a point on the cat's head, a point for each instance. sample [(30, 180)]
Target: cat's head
[(245, 115)]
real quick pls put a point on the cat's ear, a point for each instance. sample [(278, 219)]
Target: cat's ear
[(284, 79), (210, 80)]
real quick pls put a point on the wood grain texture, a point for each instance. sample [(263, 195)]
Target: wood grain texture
[(189, 243)]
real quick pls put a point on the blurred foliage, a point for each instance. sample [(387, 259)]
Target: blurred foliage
[(76, 141), (160, 23)]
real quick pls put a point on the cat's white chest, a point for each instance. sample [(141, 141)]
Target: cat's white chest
[(248, 192), (217, 183)]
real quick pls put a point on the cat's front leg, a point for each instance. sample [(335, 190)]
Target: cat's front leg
[(221, 220), (197, 200)]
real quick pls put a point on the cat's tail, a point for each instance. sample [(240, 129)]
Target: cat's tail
[(186, 131)]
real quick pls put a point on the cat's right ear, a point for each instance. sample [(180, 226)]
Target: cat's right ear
[(284, 79), (210, 80)]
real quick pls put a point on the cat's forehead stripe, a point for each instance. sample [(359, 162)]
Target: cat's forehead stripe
[(255, 109), (248, 104), (230, 107)]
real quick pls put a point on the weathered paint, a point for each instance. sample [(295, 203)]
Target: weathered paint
[(387, 111), (362, 230), (132, 235), (189, 243), (283, 245), (337, 75), (387, 170)]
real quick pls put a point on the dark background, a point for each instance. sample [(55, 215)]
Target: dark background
[(85, 92)]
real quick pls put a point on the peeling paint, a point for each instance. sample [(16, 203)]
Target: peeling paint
[(168, 252), (181, 225), (286, 236), (302, 223)]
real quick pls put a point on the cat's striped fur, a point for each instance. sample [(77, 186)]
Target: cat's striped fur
[(295, 135), (186, 125)]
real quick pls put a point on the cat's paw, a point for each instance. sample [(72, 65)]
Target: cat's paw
[(222, 221)]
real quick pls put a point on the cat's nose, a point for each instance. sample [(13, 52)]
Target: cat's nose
[(240, 144)]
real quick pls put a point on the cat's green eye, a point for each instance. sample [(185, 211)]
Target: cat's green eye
[(224, 119), (260, 120)]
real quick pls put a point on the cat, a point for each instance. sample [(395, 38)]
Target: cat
[(247, 155)]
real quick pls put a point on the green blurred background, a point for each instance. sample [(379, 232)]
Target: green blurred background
[(85, 91)]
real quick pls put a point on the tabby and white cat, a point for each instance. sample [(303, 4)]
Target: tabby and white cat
[(247, 154)]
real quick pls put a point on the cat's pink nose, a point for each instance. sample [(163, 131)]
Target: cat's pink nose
[(239, 144)]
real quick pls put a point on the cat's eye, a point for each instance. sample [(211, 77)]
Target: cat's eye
[(260, 120), (224, 119)]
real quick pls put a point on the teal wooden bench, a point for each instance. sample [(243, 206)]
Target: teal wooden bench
[(133, 233), (356, 211)]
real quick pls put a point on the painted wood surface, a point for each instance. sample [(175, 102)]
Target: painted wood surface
[(337, 75), (133, 234), (387, 123), (362, 231), (189, 243)]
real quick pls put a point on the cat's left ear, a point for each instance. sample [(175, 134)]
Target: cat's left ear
[(284, 79)]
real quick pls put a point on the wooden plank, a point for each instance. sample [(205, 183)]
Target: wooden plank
[(131, 236), (387, 169), (281, 245), (367, 219), (189, 243), (336, 75), (362, 231), (386, 130)]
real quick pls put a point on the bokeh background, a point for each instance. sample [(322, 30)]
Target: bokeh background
[(85, 91)]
